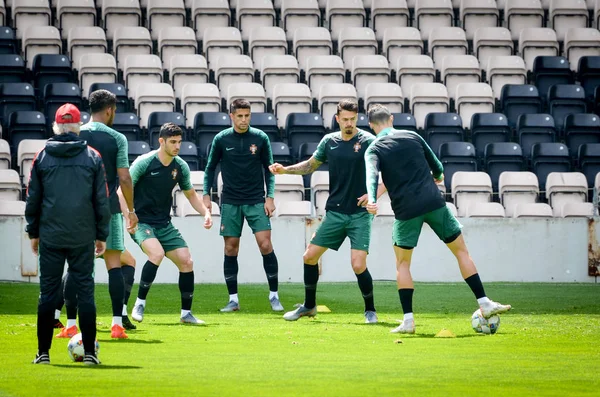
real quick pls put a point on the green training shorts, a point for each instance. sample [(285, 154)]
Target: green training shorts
[(169, 237), (232, 219), (336, 226), (406, 233)]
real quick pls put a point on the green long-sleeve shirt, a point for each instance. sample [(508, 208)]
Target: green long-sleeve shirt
[(406, 163), (245, 159)]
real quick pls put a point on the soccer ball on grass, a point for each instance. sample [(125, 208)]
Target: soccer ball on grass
[(76, 350), (484, 326)]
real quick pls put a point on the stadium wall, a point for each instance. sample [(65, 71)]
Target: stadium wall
[(519, 250)]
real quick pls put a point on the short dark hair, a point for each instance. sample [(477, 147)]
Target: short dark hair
[(101, 100), (169, 130), (350, 105), (239, 104), (378, 114)]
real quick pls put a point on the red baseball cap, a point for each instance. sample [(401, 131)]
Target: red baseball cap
[(68, 114)]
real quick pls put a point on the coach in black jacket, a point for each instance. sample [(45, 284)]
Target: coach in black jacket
[(67, 215)]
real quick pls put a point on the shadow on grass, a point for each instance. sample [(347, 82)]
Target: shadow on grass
[(432, 336), (132, 340), (94, 367), (207, 325)]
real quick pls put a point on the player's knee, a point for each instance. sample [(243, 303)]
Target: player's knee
[(187, 265), (231, 249), (359, 267), (310, 258), (156, 257), (265, 246)]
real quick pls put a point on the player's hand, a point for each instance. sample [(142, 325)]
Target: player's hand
[(100, 247), (440, 180), (277, 169), (363, 200), (35, 245), (372, 208), (207, 221), (269, 207), (207, 203), (132, 223)]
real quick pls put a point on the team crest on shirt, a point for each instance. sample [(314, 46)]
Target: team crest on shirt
[(174, 174), (253, 149), (357, 147), (148, 231)]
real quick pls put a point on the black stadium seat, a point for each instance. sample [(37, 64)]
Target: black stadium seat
[(565, 99), (547, 158), (13, 69), (589, 161), (535, 128), (440, 128), (267, 122), (128, 124), (580, 129), (303, 128), (8, 43), (25, 125), (457, 156), (50, 69), (15, 97), (516, 99), (207, 125), (137, 148), (189, 153), (488, 128), (56, 95), (117, 89), (281, 153), (548, 71), (404, 121), (588, 74), (500, 157), (156, 121)]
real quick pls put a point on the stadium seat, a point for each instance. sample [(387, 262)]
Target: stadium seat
[(294, 209), (220, 41), (547, 158), (303, 128), (428, 98), (517, 188), (581, 42), (324, 69), (485, 210), (476, 14), (157, 119), (588, 74), (117, 13), (277, 69), (5, 156), (233, 69), (388, 94), (3, 18), (535, 128), (117, 89), (366, 69), (577, 210), (181, 204), (26, 152), (13, 68), (473, 98), (57, 94), (502, 157), (130, 40), (189, 153), (128, 124), (176, 40), (153, 97), (15, 97), (209, 14), (28, 13), (329, 97), (446, 41), (491, 42), (399, 42), (40, 40), (589, 161), (520, 15), (290, 98), (404, 121), (74, 13), (8, 43), (457, 156), (549, 71), (140, 71), (164, 13), (565, 187), (253, 14), (187, 69), (12, 208), (459, 69), (10, 185), (85, 40), (516, 100), (387, 14), (252, 92), (299, 14), (430, 14), (288, 188), (137, 148), (309, 42), (442, 127), (563, 100), (319, 185), (344, 14), (567, 14), (267, 122), (265, 41), (202, 97), (281, 153), (502, 70), (532, 210), (535, 43), (206, 126), (469, 188), (355, 41), (488, 128), (50, 68)]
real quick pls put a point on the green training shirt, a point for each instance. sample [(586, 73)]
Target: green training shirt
[(346, 169), (153, 185), (245, 159), (406, 163), (112, 146)]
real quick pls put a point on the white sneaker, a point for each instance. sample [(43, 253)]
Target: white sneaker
[(191, 319), (407, 327), (491, 308), (138, 313), (370, 317)]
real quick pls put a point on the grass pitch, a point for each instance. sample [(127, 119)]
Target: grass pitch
[(549, 344)]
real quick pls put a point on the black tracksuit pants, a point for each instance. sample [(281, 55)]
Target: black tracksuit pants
[(81, 268)]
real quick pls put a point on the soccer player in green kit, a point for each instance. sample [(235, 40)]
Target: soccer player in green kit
[(154, 176), (346, 215), (245, 156), (410, 170)]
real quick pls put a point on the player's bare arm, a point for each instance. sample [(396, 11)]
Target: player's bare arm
[(199, 206), (126, 189), (303, 168)]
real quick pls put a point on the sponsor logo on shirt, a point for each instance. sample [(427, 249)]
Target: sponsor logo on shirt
[(229, 148), (174, 174), (356, 147), (253, 149)]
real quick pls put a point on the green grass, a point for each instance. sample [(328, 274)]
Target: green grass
[(548, 345)]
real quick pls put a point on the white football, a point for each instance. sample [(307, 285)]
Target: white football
[(485, 326), (76, 350)]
